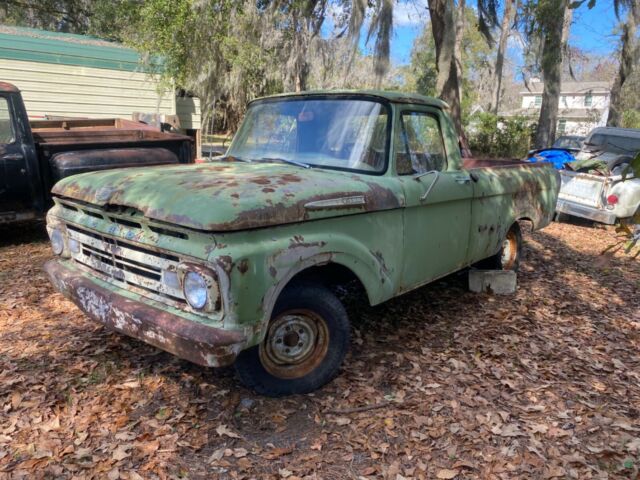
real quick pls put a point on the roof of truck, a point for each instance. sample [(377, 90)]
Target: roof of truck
[(617, 131), (391, 96)]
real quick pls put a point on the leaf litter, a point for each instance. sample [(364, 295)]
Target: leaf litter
[(440, 383)]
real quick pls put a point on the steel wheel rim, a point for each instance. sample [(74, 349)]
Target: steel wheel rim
[(296, 343), (509, 251)]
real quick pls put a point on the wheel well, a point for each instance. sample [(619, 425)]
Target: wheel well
[(334, 276)]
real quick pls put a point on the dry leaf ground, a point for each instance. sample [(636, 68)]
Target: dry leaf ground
[(440, 383)]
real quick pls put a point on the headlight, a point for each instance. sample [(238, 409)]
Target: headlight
[(195, 290), (57, 241)]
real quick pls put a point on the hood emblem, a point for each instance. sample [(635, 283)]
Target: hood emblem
[(340, 202)]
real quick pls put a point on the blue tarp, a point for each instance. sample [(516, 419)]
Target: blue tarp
[(557, 157)]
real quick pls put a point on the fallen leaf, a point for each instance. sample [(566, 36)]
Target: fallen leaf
[(342, 421), (284, 473), (446, 474), (121, 452), (217, 455), (240, 452), (224, 430)]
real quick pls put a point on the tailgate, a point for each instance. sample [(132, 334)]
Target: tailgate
[(582, 188)]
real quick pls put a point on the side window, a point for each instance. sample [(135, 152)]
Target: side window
[(6, 128), (420, 146)]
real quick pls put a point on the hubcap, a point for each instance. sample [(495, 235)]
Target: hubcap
[(295, 344), (509, 251)]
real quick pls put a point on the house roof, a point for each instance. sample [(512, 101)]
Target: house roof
[(32, 45), (535, 88)]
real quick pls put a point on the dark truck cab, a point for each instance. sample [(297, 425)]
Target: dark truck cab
[(34, 156)]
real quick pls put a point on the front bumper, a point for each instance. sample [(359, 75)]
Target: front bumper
[(193, 341), (584, 211)]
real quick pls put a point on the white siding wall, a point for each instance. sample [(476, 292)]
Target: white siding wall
[(188, 109), (599, 100), (74, 91)]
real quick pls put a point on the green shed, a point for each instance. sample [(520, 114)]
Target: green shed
[(67, 75)]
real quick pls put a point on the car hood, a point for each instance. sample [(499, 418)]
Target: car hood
[(225, 196)]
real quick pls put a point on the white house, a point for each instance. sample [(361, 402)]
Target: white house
[(582, 105)]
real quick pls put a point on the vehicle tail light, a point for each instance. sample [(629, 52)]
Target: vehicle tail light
[(612, 199)]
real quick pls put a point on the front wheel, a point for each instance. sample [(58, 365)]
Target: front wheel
[(306, 341)]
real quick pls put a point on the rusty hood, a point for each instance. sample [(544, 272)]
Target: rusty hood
[(225, 196)]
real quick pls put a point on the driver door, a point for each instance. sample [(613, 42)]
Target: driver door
[(15, 191), (437, 216)]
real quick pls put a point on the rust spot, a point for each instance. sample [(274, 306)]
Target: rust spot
[(268, 190), (260, 181), (225, 262), (288, 178), (186, 339), (272, 271), (243, 266), (8, 87), (235, 195), (384, 271)]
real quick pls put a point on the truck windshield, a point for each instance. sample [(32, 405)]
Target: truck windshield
[(333, 133)]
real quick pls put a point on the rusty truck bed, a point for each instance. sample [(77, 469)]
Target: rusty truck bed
[(475, 163), (97, 131)]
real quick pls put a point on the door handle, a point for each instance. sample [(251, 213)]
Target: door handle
[(463, 180), (12, 156)]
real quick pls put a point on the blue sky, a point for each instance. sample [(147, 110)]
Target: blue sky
[(591, 29)]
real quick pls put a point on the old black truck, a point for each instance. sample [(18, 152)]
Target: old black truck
[(34, 156)]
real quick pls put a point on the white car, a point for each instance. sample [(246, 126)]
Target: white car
[(600, 194)]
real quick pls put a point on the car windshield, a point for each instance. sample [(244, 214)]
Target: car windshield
[(569, 142), (333, 133), (613, 144)]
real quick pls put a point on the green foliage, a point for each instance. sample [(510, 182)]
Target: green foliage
[(631, 119), (499, 137)]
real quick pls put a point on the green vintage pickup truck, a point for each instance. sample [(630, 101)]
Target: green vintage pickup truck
[(237, 260)]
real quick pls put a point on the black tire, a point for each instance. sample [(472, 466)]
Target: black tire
[(503, 260), (302, 307)]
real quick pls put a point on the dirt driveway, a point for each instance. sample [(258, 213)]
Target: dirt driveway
[(440, 383)]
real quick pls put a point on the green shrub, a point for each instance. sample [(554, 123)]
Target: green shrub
[(499, 137)]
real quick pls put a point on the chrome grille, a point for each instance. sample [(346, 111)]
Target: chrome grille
[(126, 264)]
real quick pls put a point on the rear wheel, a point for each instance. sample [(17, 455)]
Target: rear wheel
[(305, 344), (508, 258)]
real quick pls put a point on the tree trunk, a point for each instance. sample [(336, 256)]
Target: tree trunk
[(629, 53), (443, 26), (457, 50), (554, 17), (505, 32)]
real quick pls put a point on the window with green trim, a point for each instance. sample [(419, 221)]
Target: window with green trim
[(588, 100), (562, 126)]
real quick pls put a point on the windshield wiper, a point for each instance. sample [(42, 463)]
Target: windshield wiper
[(284, 160)]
